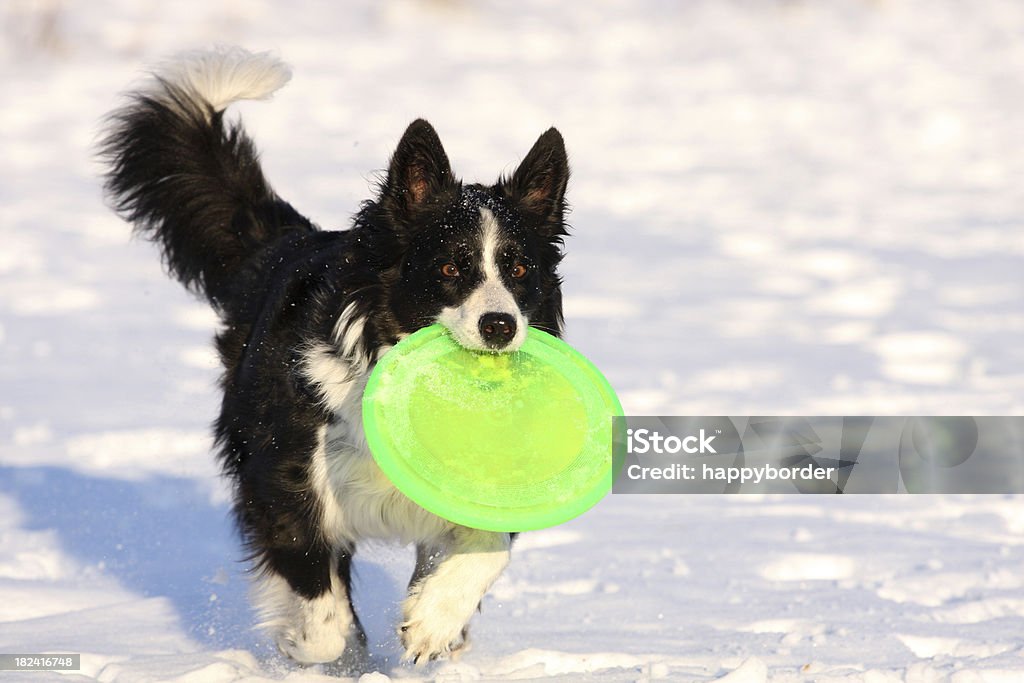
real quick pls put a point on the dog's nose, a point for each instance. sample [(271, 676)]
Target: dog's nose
[(497, 329)]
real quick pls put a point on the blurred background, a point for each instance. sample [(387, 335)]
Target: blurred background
[(779, 207)]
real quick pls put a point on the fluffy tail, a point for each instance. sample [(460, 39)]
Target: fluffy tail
[(188, 182)]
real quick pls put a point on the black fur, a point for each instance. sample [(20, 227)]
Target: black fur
[(194, 187)]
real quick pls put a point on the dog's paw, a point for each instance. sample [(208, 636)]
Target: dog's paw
[(324, 645), (323, 642), (423, 645), (433, 633)]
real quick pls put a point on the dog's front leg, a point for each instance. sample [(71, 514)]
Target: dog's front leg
[(441, 602)]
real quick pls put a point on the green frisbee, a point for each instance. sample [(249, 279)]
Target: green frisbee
[(497, 441)]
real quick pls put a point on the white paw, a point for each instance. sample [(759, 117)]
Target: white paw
[(316, 645), (309, 631), (434, 630)]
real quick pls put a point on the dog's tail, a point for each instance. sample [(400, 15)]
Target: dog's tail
[(187, 181)]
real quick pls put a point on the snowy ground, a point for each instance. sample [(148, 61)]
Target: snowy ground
[(780, 207)]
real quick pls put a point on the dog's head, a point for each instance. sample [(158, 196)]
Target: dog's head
[(480, 260)]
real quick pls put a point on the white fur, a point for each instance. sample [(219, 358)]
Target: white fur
[(334, 376), (490, 296), (225, 75), (348, 331), (367, 504), (308, 631), (490, 237), (357, 500), (440, 606)]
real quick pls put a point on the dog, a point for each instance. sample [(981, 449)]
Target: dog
[(306, 313)]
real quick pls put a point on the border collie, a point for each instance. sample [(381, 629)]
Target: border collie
[(305, 315)]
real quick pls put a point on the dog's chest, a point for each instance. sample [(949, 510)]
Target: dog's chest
[(358, 500)]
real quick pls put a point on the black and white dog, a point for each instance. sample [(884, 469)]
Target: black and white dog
[(306, 313)]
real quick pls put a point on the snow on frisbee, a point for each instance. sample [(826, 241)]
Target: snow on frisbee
[(497, 441)]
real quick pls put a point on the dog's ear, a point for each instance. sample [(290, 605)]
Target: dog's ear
[(419, 173), (537, 187)]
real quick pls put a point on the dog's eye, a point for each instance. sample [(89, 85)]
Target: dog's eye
[(519, 271), (450, 270)]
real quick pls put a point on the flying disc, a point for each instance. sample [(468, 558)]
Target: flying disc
[(496, 441)]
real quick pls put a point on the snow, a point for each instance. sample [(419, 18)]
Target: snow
[(779, 208)]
